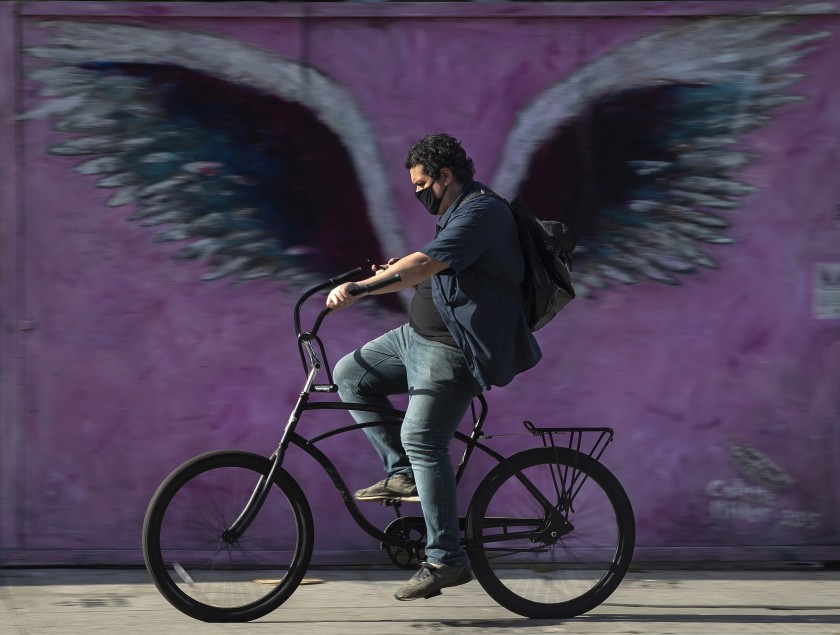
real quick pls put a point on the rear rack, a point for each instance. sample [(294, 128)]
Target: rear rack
[(605, 437)]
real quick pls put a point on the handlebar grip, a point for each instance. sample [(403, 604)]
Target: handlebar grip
[(379, 284), (344, 277)]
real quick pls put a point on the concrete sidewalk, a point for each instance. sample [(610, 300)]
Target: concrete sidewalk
[(358, 601)]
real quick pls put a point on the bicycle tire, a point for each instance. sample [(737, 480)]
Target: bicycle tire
[(201, 574), (508, 534)]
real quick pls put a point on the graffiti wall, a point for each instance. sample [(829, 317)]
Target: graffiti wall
[(172, 177)]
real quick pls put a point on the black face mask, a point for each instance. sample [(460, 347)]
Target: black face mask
[(428, 199)]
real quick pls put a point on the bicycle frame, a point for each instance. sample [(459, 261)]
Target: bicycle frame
[(314, 361), (309, 446)]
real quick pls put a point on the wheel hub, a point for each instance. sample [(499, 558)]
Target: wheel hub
[(229, 537), (556, 526)]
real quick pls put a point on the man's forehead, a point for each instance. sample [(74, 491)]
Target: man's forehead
[(418, 173)]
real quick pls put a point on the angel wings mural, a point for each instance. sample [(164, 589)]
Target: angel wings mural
[(265, 167), (252, 160)]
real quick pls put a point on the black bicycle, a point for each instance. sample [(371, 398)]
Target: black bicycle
[(549, 531)]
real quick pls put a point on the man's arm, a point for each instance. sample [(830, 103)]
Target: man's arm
[(413, 269)]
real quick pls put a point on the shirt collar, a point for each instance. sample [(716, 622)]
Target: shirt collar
[(469, 186)]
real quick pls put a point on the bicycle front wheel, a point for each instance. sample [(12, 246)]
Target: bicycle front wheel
[(550, 532), (195, 563)]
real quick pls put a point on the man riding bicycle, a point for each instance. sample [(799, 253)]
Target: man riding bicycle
[(466, 332)]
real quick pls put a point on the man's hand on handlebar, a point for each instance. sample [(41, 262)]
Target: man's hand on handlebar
[(347, 293), (340, 297)]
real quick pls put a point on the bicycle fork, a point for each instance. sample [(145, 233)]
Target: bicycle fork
[(263, 487)]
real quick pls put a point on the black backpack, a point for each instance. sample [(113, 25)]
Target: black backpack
[(547, 248)]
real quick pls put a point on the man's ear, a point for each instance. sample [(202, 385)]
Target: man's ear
[(446, 175)]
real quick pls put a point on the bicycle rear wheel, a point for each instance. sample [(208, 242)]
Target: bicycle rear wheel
[(198, 568), (550, 532)]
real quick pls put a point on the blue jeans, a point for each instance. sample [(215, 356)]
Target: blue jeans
[(440, 387)]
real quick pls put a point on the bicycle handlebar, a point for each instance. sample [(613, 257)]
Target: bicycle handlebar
[(344, 277), (306, 338), (333, 282), (364, 288), (378, 284)]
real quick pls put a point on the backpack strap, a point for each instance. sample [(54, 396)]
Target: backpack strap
[(481, 192), (516, 292)]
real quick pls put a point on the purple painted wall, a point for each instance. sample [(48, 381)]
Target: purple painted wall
[(119, 361)]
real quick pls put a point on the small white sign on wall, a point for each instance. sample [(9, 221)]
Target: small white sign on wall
[(827, 290)]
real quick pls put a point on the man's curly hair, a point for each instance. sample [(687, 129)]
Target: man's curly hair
[(440, 150)]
